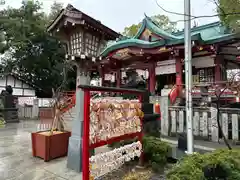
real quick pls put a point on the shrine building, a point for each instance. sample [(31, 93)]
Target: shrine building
[(156, 54), (214, 51)]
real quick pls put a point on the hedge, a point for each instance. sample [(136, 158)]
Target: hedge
[(220, 164)]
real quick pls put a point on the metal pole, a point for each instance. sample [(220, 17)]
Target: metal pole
[(188, 74)]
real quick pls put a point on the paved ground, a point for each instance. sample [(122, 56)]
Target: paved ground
[(17, 163)]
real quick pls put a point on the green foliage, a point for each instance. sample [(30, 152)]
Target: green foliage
[(155, 152), (229, 13), (161, 21), (164, 23), (131, 30), (32, 53), (221, 161), (55, 10)]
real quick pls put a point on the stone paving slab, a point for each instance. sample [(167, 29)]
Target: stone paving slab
[(17, 162)]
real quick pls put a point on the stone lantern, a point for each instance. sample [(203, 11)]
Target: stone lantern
[(85, 38)]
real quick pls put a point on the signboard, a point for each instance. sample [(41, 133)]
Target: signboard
[(166, 67), (109, 77), (203, 62)]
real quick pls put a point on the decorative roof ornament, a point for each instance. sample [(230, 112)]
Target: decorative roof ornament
[(70, 7)]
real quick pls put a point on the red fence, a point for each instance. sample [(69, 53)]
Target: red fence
[(45, 113)]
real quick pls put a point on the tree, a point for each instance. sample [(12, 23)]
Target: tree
[(220, 89), (229, 13), (161, 21), (131, 30), (34, 55), (56, 8)]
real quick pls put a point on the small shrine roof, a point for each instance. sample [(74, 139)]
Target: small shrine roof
[(78, 17), (207, 34)]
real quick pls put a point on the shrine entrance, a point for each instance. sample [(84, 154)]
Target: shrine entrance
[(165, 81)]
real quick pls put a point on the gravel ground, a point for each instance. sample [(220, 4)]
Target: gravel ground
[(131, 167)]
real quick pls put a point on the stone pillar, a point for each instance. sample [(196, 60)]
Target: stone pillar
[(218, 63), (74, 159), (179, 74), (35, 109), (164, 103), (152, 78)]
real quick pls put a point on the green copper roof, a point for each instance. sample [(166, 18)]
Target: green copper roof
[(149, 24), (206, 34)]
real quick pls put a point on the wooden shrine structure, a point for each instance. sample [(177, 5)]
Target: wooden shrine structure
[(215, 49), (84, 36)]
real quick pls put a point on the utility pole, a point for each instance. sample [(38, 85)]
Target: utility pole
[(188, 74)]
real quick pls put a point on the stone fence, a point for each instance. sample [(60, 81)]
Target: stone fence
[(205, 126), (34, 111)]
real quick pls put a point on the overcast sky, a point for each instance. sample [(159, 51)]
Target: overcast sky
[(118, 14)]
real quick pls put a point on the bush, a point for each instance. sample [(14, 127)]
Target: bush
[(155, 152), (220, 164)]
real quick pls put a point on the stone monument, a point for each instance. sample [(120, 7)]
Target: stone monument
[(8, 109)]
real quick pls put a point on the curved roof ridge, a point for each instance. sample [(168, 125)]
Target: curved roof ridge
[(156, 29), (150, 24), (198, 28), (140, 30)]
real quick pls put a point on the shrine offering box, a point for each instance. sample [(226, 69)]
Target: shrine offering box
[(48, 146)]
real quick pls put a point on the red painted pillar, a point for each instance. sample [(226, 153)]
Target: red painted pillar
[(179, 74), (118, 78), (86, 132), (217, 68), (152, 78), (102, 76)]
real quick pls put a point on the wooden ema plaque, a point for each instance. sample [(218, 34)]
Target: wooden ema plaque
[(109, 121)]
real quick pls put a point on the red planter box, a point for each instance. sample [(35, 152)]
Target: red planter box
[(49, 147)]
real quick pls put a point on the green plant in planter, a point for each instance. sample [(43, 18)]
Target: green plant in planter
[(220, 164)]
